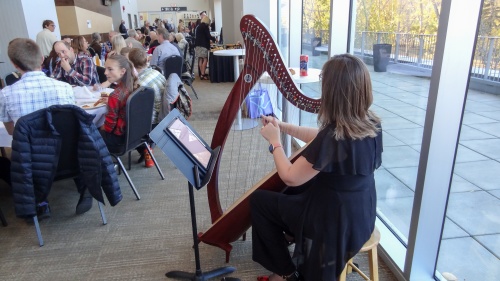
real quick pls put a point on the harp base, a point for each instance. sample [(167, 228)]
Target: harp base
[(199, 276)]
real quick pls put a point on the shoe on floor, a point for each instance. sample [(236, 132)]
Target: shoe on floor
[(84, 204), (43, 210), (141, 158), (148, 161)]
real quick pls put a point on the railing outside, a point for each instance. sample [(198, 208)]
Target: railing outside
[(419, 49)]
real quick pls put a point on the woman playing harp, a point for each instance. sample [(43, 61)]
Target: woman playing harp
[(333, 215)]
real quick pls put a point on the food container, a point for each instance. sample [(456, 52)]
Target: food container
[(304, 59)]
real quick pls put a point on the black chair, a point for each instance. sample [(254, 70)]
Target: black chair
[(91, 51), (100, 73), (189, 78), (12, 78), (2, 218), (66, 124), (139, 110), (173, 64), (157, 68)]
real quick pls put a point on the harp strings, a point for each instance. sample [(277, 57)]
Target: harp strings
[(246, 148)]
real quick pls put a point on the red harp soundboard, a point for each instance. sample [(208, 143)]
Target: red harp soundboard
[(262, 54)]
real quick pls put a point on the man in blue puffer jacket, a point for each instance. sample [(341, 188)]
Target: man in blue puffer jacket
[(35, 154)]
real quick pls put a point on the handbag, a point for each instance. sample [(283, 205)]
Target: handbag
[(258, 102)]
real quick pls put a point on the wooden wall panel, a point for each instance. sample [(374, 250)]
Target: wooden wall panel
[(91, 5), (65, 2), (94, 6)]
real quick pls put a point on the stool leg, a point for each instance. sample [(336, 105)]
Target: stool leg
[(373, 260), (348, 266), (343, 275)]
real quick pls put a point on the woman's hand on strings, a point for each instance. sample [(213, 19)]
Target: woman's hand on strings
[(269, 119), (271, 130)]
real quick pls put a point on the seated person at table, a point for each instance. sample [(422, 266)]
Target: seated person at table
[(118, 69), (164, 50), (34, 90), (133, 39), (334, 215), (80, 46), (76, 69), (148, 77)]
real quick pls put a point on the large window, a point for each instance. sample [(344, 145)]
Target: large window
[(419, 78), (315, 40), (470, 246)]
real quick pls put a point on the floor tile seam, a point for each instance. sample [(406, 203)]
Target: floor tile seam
[(484, 155), (394, 175), (485, 247)]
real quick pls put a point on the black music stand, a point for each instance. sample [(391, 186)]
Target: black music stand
[(196, 160)]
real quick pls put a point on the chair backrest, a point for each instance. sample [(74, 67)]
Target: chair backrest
[(139, 112), (67, 126), (12, 78), (100, 73), (173, 64), (157, 68)]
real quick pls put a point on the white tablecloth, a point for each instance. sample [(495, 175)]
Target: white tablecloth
[(83, 95)]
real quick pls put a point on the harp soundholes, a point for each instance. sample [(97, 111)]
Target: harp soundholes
[(247, 78)]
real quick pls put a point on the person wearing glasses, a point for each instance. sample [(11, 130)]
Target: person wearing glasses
[(46, 38), (329, 207)]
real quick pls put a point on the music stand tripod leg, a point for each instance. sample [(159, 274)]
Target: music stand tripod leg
[(198, 275)]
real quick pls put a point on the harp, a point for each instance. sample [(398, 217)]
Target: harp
[(262, 54)]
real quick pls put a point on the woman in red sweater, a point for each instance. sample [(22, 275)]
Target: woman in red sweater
[(120, 70)]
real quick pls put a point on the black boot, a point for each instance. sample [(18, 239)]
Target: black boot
[(85, 202)]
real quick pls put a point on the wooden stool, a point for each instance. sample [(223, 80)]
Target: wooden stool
[(371, 247)]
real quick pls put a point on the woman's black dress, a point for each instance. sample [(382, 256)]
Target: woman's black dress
[(330, 220)]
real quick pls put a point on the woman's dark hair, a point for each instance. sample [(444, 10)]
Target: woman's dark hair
[(129, 80), (346, 96)]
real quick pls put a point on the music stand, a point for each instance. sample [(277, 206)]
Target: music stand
[(196, 160)]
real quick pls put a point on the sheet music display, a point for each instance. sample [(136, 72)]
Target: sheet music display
[(190, 141)]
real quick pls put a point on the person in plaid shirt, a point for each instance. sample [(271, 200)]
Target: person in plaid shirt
[(148, 77), (76, 69), (34, 90)]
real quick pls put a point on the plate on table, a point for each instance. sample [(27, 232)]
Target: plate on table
[(92, 105)]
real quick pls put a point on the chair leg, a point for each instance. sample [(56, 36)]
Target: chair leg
[(103, 216), (343, 275), (127, 177), (192, 88), (2, 218), (373, 259), (38, 232), (129, 160), (154, 160)]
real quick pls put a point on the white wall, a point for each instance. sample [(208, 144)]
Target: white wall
[(232, 11), (22, 19), (118, 14), (35, 14)]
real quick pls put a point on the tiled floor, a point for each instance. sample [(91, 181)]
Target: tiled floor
[(471, 240)]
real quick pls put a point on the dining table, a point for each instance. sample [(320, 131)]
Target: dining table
[(85, 98)]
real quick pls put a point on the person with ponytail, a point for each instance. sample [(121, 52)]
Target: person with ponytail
[(120, 70)]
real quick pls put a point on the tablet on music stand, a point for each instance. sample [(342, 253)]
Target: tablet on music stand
[(185, 147)]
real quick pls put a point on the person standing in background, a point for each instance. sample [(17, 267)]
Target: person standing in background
[(123, 30), (46, 38)]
